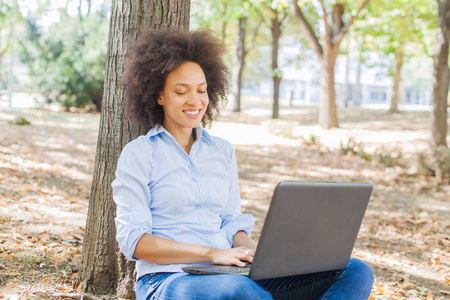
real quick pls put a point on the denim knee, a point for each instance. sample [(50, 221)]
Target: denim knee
[(363, 271), (240, 287)]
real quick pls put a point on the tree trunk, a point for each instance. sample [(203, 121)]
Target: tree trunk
[(80, 15), (276, 73), (1, 84), (335, 30), (441, 76), (97, 100), (276, 93), (357, 88), (397, 80), (224, 31), (327, 110), (238, 66), (224, 19), (89, 7), (346, 93), (1, 58), (101, 271)]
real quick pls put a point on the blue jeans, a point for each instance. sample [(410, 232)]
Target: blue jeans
[(353, 282)]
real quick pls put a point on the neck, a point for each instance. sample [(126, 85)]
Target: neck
[(184, 137), (186, 143)]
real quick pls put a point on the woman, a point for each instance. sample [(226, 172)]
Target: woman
[(176, 188)]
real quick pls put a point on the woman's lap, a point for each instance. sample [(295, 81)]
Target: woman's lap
[(200, 287), (353, 282)]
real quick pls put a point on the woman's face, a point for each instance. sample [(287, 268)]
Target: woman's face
[(184, 98)]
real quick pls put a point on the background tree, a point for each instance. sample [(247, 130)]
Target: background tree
[(68, 70), (213, 14), (398, 29), (220, 16), (441, 75), (102, 272), (277, 11), (247, 14), (5, 32), (326, 46)]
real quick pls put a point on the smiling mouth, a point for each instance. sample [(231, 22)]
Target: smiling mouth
[(191, 112)]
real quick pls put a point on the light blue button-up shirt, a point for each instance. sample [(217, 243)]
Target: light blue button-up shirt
[(190, 198)]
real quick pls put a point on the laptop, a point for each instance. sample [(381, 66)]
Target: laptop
[(310, 227)]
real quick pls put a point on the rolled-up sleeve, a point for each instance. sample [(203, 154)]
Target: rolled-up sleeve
[(232, 218), (132, 197)]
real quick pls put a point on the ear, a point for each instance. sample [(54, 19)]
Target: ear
[(160, 99)]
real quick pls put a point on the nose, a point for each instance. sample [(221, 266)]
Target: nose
[(196, 98)]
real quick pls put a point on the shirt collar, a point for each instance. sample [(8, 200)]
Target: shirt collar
[(199, 132)]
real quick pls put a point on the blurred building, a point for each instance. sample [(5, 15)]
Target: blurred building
[(300, 81)]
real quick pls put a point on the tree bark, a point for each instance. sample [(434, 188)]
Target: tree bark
[(346, 93), (397, 79), (276, 73), (357, 87), (441, 76), (239, 64), (101, 271), (327, 111)]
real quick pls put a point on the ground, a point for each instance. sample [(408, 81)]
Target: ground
[(46, 171)]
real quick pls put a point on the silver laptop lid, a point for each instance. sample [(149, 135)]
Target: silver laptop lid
[(310, 227)]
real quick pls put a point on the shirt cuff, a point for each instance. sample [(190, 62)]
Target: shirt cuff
[(243, 222)]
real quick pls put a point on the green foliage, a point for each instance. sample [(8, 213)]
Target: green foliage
[(402, 25), (389, 158), (349, 146), (364, 155), (312, 140), (19, 121), (67, 60), (6, 13)]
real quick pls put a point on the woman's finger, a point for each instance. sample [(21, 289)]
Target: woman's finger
[(249, 252), (239, 263)]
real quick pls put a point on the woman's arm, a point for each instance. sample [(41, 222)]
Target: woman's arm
[(242, 239), (163, 251)]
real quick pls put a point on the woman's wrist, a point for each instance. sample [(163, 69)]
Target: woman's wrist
[(210, 253), (242, 239)]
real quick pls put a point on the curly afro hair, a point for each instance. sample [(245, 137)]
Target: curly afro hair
[(154, 55)]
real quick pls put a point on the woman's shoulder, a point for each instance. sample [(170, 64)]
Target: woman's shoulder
[(220, 142), (139, 145), (217, 141), (222, 145)]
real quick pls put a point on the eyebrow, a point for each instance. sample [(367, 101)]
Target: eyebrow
[(185, 84)]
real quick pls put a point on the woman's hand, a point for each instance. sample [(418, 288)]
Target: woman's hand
[(234, 256)]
